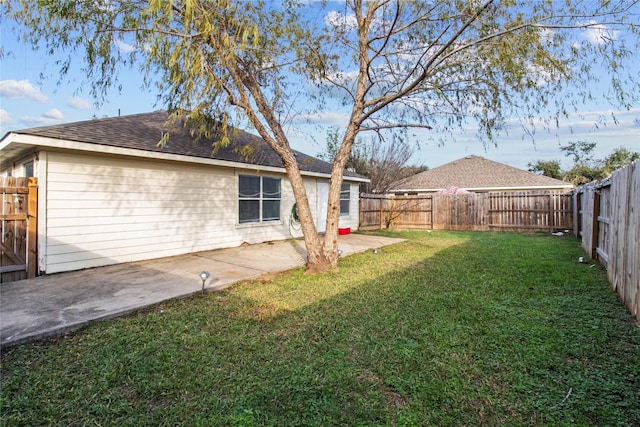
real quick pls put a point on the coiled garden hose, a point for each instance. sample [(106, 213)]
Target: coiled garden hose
[(294, 220)]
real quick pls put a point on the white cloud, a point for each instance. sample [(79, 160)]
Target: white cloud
[(33, 121), (79, 103), (124, 47), (22, 89), (5, 118), (347, 22), (48, 118), (104, 5), (323, 118), (599, 33), (341, 21), (53, 114)]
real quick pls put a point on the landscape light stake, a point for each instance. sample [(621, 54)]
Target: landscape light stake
[(204, 275)]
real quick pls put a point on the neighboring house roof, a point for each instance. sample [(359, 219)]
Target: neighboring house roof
[(476, 173), (143, 132)]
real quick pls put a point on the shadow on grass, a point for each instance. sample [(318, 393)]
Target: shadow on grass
[(445, 329)]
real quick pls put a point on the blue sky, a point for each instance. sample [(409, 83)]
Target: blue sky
[(31, 95)]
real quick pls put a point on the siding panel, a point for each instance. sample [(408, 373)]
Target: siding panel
[(107, 210)]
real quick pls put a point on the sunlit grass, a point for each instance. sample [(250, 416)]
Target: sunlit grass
[(444, 329)]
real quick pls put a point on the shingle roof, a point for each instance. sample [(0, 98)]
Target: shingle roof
[(143, 131), (475, 172)]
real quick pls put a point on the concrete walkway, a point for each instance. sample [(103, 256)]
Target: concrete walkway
[(51, 305)]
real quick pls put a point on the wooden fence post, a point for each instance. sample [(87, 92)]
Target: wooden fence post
[(552, 221), (576, 199), (432, 211), (595, 225)]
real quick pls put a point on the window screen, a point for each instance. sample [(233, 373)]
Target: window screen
[(345, 199), (259, 199)]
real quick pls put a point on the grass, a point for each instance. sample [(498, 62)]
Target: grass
[(448, 328)]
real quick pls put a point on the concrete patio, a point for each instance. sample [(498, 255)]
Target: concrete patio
[(55, 304)]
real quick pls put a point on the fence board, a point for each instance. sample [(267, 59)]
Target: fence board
[(18, 227), (609, 222), (514, 211)]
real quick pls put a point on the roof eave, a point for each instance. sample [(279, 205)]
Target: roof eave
[(511, 188), (55, 143)]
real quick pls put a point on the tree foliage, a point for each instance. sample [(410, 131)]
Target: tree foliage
[(585, 167), (581, 174), (355, 162), (381, 162), (390, 65), (550, 168), (387, 164), (619, 158), (581, 152)]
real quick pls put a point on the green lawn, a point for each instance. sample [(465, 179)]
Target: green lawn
[(448, 328)]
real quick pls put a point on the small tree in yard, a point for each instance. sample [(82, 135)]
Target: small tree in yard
[(383, 163), (390, 64), (387, 163)]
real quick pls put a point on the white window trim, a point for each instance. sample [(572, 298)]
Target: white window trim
[(348, 214), (260, 199)]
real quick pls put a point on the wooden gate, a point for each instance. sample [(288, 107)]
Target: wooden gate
[(18, 215)]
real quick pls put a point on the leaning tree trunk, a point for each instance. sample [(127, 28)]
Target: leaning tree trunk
[(330, 246), (316, 258), (319, 258), (340, 161)]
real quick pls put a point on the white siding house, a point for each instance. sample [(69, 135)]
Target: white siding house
[(107, 193)]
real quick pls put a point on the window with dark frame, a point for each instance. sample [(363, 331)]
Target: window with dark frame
[(259, 199)]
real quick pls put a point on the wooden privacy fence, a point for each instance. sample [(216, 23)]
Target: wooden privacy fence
[(607, 217), (18, 254), (515, 210)]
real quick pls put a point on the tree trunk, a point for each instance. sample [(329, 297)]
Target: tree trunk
[(321, 256), (355, 120), (330, 246), (316, 256), (317, 262)]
